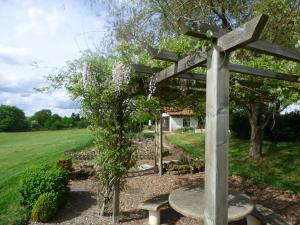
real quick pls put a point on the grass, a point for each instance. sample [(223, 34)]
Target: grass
[(21, 150), (279, 167)]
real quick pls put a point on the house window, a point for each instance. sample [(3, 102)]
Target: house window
[(186, 122)]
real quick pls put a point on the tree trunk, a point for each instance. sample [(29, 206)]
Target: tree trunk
[(116, 202), (256, 140), (259, 116)]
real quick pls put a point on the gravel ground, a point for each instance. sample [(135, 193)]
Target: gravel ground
[(83, 208)]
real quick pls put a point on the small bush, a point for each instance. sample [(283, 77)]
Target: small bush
[(148, 135), (45, 207), (39, 180), (65, 164), (185, 129)]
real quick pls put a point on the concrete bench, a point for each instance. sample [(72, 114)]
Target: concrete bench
[(264, 216), (154, 205)]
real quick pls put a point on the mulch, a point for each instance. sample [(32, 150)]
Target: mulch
[(83, 207)]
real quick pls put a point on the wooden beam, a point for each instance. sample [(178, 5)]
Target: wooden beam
[(187, 63), (238, 69), (182, 83), (243, 35), (197, 29), (276, 50), (194, 76), (138, 68), (262, 73), (163, 54)]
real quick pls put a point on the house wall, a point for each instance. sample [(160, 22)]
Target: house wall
[(194, 123), (177, 122)]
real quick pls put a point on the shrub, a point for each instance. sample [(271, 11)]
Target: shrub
[(65, 164), (239, 125), (148, 135), (185, 129), (38, 180), (45, 207), (286, 127)]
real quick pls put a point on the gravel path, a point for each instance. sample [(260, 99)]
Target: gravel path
[(82, 207)]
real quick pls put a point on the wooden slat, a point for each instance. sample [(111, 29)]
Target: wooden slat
[(243, 35), (198, 29), (262, 73)]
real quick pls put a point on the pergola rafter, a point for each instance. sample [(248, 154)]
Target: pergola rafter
[(217, 95), (197, 29), (168, 56)]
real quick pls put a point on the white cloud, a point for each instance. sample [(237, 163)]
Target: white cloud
[(14, 51), (47, 34)]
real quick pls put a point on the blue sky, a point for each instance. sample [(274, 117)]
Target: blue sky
[(36, 38)]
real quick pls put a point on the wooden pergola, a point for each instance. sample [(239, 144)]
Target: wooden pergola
[(216, 60)]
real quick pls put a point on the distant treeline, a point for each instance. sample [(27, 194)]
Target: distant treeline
[(14, 119)]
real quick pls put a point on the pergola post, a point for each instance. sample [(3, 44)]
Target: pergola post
[(116, 207), (160, 145), (216, 139), (156, 146)]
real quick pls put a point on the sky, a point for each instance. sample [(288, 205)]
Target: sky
[(38, 37)]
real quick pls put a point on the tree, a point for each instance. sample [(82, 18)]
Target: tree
[(143, 23), (103, 95), (42, 117), (12, 119)]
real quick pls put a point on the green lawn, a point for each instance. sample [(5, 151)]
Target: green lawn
[(21, 150), (280, 166)]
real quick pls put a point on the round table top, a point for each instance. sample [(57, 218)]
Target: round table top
[(190, 202)]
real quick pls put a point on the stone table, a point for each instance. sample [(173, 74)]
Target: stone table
[(190, 202)]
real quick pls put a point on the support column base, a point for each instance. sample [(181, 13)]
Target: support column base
[(154, 217)]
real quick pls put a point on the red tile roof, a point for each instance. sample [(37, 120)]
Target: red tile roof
[(184, 112)]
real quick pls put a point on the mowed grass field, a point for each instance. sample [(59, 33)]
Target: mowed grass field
[(279, 166), (19, 151)]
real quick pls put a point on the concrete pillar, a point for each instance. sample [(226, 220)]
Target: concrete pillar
[(154, 217), (216, 139)]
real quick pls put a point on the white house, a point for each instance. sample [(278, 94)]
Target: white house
[(173, 120)]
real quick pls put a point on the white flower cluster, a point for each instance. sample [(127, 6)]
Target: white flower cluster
[(152, 87), (297, 45), (120, 74), (88, 80), (135, 59)]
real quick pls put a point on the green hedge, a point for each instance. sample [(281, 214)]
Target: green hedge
[(45, 207), (39, 180)]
